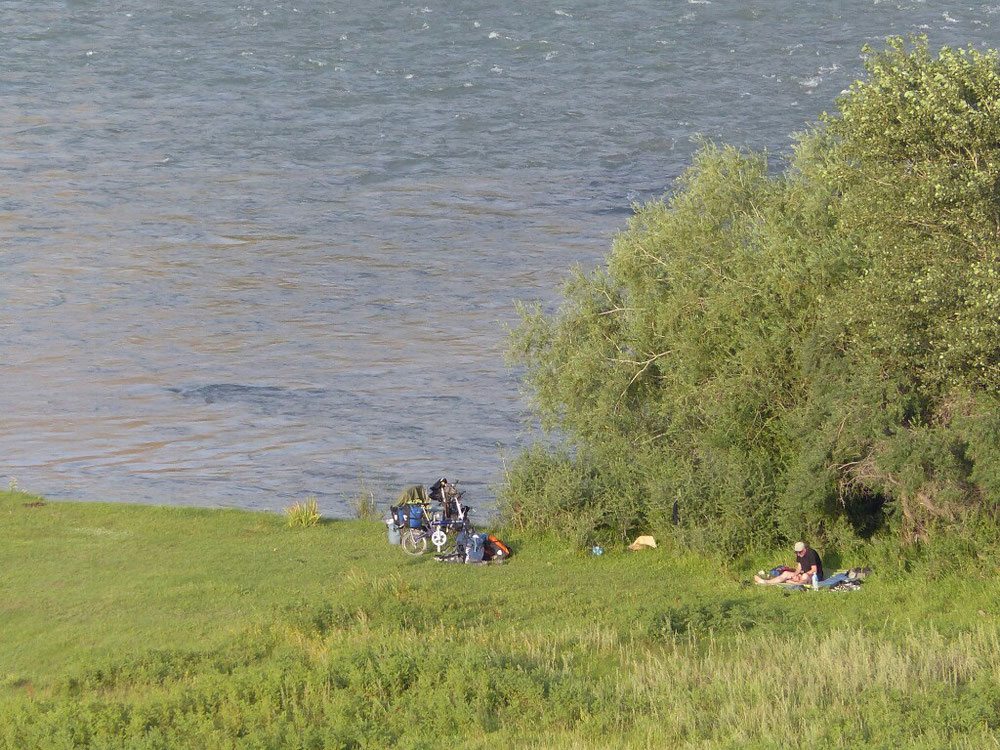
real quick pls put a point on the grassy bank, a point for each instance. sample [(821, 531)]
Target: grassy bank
[(137, 627)]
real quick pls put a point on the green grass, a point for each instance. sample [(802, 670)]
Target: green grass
[(135, 627)]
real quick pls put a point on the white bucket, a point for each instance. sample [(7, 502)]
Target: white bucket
[(392, 531)]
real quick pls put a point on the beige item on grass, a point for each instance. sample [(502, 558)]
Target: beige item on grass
[(641, 542)]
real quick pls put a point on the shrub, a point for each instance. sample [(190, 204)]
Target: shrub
[(781, 354), (304, 513)]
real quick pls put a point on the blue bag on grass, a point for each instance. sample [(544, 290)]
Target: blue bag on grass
[(475, 548)]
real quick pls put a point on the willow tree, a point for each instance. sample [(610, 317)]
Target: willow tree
[(766, 356)]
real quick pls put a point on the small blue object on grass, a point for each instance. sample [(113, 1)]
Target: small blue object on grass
[(595, 550)]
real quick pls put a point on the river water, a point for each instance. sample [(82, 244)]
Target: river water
[(251, 252)]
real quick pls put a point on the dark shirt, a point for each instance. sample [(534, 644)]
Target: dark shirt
[(810, 558)]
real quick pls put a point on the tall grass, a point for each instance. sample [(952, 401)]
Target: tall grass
[(364, 505), (343, 673), (303, 513)]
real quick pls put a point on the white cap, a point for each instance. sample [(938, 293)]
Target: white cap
[(799, 546)]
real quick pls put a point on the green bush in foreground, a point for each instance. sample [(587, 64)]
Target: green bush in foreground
[(814, 353)]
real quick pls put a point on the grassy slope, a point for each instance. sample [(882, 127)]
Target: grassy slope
[(128, 626), (84, 581)]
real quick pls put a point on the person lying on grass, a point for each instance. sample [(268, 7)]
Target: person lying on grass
[(807, 563)]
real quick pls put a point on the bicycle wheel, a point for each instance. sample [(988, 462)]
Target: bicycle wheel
[(414, 542)]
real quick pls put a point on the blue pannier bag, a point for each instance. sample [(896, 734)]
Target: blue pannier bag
[(416, 516), (401, 515), (475, 548)]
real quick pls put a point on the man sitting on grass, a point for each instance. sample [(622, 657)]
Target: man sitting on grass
[(807, 563)]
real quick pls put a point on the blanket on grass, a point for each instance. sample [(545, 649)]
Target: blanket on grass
[(841, 580)]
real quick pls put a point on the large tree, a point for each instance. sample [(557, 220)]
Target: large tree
[(766, 356)]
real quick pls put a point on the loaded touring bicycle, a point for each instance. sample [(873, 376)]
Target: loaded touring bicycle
[(438, 518)]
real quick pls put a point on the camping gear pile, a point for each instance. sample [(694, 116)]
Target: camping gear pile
[(849, 581), (440, 518), (477, 549)]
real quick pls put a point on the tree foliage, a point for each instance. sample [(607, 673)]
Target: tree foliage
[(773, 355)]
